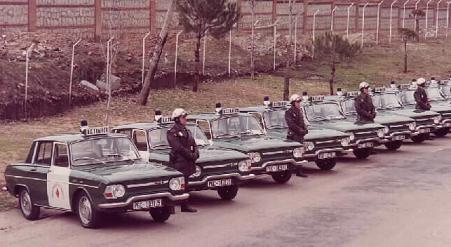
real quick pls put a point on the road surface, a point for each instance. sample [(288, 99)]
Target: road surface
[(393, 199)]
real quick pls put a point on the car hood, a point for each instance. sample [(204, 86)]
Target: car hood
[(346, 126), (250, 144), (412, 112), (313, 134), (123, 172), (441, 108)]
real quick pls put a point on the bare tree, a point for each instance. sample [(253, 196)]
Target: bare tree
[(156, 55), (252, 4), (407, 35)]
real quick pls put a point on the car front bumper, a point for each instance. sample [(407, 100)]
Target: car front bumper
[(355, 145), (393, 136), (168, 199), (259, 170), (314, 156), (419, 129)]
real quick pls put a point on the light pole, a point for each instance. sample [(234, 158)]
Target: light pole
[(143, 69), (404, 14), (275, 44), (176, 57), (378, 23), (436, 18), (426, 19), (363, 23), (313, 32), (332, 15), (72, 71), (391, 20), (415, 16), (347, 21)]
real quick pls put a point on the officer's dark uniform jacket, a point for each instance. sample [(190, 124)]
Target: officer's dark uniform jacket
[(184, 152), (364, 108), (422, 99), (297, 128)]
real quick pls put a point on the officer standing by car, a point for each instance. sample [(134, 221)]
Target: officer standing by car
[(184, 152), (297, 128), (421, 96), (364, 104)]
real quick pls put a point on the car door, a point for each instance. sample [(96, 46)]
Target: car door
[(37, 171), (139, 137), (58, 178)]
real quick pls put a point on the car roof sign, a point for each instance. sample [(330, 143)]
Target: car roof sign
[(279, 104), (230, 111), (95, 131), (352, 94), (379, 89), (318, 98), (165, 120), (405, 86)]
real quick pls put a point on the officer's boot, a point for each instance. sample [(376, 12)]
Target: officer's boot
[(188, 209)]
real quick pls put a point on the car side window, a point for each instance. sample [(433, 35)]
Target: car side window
[(203, 125), (60, 155), (44, 153), (140, 140)]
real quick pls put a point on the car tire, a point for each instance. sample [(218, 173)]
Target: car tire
[(420, 138), (441, 132), (161, 215), (393, 146), (28, 210), (281, 177), (87, 214), (228, 193), (362, 153), (326, 164)]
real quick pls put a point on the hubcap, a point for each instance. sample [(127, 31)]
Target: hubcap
[(25, 204), (85, 210)]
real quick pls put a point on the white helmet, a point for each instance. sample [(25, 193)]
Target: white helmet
[(295, 97), (364, 84), (421, 81), (178, 113)]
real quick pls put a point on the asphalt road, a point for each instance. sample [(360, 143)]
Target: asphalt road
[(393, 199)]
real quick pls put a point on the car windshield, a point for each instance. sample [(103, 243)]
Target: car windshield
[(446, 90), (324, 111), (408, 98), (434, 94), (102, 151), (386, 101), (275, 119), (348, 106), (158, 137), (235, 126)]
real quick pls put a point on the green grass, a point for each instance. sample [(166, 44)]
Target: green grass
[(377, 65)]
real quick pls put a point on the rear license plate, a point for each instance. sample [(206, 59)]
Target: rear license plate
[(399, 138), (156, 203), (330, 155), (219, 183), (277, 168), (366, 145), (426, 130)]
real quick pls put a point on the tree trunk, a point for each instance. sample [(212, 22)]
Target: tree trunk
[(252, 39), (286, 88), (290, 31), (153, 66), (197, 61), (332, 77), (405, 56)]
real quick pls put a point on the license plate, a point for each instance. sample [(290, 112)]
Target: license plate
[(427, 130), (366, 145), (219, 183), (277, 168), (447, 124), (156, 203), (330, 155), (399, 138)]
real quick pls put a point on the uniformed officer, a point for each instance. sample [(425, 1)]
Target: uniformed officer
[(297, 128), (184, 152), (421, 97), (364, 104)]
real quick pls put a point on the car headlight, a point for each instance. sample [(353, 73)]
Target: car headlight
[(114, 191), (298, 152), (309, 146), (345, 141), (386, 130), (244, 165), (177, 183), (380, 133), (351, 136), (197, 173), (437, 119), (412, 126), (255, 157)]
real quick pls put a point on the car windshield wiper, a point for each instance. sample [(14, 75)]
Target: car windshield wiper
[(90, 158), (277, 126), (225, 135)]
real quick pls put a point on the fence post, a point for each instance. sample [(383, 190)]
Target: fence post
[(152, 14), (98, 19), (72, 71), (177, 56), (436, 18), (391, 20), (378, 21), (143, 65), (32, 17), (363, 23), (348, 19), (313, 33), (447, 18), (27, 68), (356, 17), (274, 11), (426, 25), (305, 17)]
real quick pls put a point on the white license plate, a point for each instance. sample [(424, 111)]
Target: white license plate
[(426, 130), (447, 124), (366, 145), (399, 138), (219, 183), (277, 168), (156, 203), (330, 155)]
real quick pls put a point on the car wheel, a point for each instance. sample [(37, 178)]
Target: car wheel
[(326, 164), (362, 153), (228, 193), (441, 132), (86, 212), (281, 177), (420, 138), (160, 215), (29, 211), (393, 146)]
